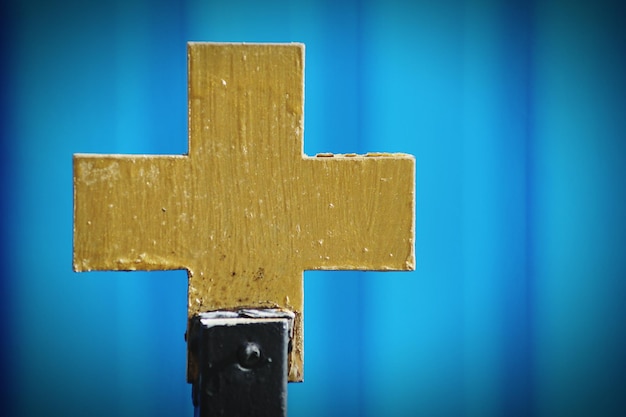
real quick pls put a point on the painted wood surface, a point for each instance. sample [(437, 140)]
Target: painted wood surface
[(245, 212)]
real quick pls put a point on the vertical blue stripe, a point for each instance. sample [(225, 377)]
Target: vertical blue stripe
[(580, 200), (9, 345), (516, 91)]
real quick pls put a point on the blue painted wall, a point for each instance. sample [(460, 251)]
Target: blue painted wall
[(516, 112)]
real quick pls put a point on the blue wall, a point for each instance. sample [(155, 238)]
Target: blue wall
[(516, 112)]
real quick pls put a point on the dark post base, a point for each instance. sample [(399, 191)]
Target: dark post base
[(242, 358)]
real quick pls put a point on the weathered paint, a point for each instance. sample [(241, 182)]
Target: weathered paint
[(245, 212)]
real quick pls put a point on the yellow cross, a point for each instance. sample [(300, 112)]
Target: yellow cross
[(245, 212)]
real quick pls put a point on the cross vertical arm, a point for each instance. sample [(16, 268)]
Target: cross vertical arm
[(245, 140)]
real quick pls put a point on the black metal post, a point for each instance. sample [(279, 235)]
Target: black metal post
[(242, 358)]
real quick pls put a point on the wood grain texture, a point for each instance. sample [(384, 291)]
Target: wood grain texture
[(245, 212)]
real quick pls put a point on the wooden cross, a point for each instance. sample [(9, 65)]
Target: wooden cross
[(245, 212)]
